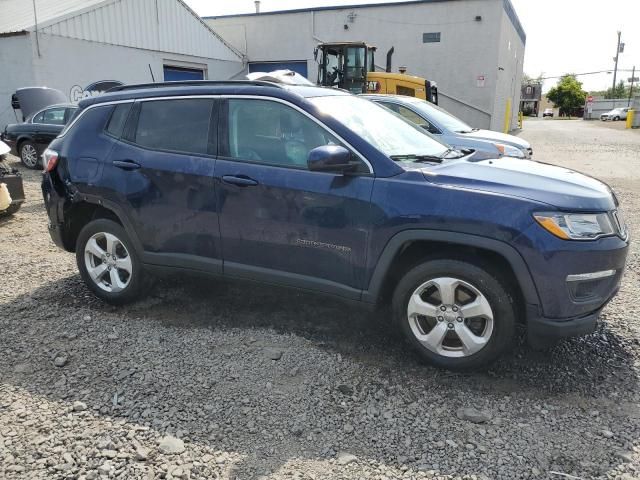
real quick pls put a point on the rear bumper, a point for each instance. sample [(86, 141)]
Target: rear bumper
[(55, 206)]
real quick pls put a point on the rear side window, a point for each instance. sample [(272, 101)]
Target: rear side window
[(118, 119), (54, 116), (176, 125)]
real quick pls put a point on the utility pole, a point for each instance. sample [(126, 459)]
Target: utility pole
[(615, 59), (633, 77)]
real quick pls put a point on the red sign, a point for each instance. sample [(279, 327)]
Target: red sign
[(590, 99)]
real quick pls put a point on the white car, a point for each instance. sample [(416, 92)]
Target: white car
[(548, 112), (615, 114)]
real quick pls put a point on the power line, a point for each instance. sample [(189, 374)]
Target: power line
[(581, 74)]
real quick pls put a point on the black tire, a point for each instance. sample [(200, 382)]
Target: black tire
[(13, 208), (26, 148), (488, 284), (138, 281), (615, 119)]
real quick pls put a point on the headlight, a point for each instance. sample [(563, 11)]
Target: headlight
[(576, 226), (509, 150)]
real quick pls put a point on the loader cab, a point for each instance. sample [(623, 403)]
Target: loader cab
[(345, 65)]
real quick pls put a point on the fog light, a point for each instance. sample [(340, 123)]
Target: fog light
[(590, 286)]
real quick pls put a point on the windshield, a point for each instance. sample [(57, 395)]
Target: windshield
[(380, 127), (442, 118)]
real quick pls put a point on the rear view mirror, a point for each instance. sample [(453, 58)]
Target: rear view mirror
[(330, 158)]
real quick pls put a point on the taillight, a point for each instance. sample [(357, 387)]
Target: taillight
[(49, 159)]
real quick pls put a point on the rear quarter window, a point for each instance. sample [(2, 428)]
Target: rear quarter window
[(118, 118)]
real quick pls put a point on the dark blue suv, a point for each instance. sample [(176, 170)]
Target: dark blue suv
[(319, 189)]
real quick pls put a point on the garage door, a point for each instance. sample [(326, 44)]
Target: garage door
[(172, 74), (298, 66)]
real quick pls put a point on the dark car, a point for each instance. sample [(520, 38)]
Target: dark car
[(29, 139), (318, 189)]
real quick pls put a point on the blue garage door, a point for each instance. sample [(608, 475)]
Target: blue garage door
[(298, 66), (173, 74)]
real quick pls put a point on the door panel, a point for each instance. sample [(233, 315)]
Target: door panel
[(170, 195), (277, 218), (295, 221)]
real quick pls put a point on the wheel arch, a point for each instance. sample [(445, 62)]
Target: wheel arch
[(25, 137), (410, 246), (78, 214)]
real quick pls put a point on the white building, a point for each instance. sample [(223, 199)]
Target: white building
[(74, 45), (473, 49)]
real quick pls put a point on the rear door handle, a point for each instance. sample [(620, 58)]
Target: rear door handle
[(239, 180), (126, 164)]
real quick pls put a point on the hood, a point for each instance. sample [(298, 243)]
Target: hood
[(31, 99), (498, 137), (557, 186)]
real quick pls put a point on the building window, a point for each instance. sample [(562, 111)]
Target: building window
[(529, 90), (431, 37)]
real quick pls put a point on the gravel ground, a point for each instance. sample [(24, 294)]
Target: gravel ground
[(212, 380)]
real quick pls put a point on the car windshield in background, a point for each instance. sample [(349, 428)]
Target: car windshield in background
[(442, 118), (384, 130)]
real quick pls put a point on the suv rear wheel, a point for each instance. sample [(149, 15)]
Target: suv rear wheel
[(108, 263), (456, 314)]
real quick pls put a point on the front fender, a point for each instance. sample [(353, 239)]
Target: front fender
[(509, 253)]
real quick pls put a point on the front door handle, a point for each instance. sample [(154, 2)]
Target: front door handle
[(126, 164), (239, 180)]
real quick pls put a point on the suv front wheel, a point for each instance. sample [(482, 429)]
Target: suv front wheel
[(108, 263), (456, 314)]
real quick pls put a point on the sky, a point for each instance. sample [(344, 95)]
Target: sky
[(563, 36)]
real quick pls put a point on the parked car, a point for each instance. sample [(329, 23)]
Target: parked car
[(29, 139), (11, 187), (318, 189), (547, 112), (615, 114), (451, 130)]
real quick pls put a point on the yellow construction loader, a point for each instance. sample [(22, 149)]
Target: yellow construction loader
[(350, 66)]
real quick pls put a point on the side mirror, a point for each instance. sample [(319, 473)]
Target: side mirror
[(330, 158)]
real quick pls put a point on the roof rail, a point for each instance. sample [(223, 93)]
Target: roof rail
[(194, 83)]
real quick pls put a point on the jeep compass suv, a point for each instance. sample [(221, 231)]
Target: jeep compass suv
[(318, 189)]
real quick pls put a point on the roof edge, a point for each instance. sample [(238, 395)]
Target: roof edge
[(330, 7)]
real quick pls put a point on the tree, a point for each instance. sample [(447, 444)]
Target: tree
[(619, 91), (568, 94)]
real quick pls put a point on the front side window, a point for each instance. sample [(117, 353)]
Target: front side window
[(411, 116), (378, 126), (180, 125), (442, 117), (53, 116), (263, 131)]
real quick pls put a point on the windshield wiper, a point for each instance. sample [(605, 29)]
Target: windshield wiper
[(418, 158)]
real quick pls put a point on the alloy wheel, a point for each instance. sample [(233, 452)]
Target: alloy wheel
[(108, 262), (29, 155), (450, 317)]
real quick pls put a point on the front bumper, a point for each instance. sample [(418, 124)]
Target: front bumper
[(542, 331)]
